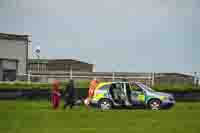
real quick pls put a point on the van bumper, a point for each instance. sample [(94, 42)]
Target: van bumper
[(93, 101), (167, 104)]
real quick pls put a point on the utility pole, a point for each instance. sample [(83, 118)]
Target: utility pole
[(38, 57)]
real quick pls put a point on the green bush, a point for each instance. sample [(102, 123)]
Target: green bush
[(85, 84), (24, 85), (176, 87), (82, 83), (31, 85)]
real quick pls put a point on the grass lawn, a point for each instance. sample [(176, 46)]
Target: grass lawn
[(38, 117)]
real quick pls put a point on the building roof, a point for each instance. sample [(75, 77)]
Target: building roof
[(12, 36), (57, 61), (43, 61)]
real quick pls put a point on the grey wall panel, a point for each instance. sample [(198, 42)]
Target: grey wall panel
[(9, 64), (12, 49), (1, 72)]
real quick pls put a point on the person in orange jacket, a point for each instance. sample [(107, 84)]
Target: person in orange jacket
[(55, 95), (93, 85)]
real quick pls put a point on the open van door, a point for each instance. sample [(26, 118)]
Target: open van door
[(137, 94)]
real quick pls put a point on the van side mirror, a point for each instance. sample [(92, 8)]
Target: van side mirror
[(144, 92)]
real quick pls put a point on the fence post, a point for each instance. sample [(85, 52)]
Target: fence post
[(152, 79), (29, 76), (196, 79), (70, 71), (113, 76)]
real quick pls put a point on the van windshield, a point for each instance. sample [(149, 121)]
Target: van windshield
[(145, 87)]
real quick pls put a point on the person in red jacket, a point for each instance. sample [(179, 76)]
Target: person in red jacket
[(56, 95)]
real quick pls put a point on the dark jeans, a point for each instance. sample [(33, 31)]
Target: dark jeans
[(69, 101)]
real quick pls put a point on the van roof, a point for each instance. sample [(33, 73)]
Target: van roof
[(108, 83), (117, 82)]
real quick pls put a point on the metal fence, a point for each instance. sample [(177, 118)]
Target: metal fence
[(103, 76), (147, 78)]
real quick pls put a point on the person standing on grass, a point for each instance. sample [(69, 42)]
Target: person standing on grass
[(55, 95), (92, 87), (69, 95)]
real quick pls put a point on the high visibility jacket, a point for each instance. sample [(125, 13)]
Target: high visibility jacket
[(93, 85)]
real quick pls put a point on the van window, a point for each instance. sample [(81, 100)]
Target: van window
[(134, 87), (105, 87)]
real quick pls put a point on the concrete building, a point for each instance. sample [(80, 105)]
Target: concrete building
[(13, 56), (62, 65)]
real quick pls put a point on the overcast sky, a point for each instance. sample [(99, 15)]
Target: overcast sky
[(116, 35)]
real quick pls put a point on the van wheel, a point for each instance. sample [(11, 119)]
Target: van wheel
[(154, 104), (105, 104)]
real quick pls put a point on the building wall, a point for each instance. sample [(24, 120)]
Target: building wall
[(82, 68), (1, 73), (13, 49), (79, 67)]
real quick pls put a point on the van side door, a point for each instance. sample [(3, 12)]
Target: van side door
[(137, 95)]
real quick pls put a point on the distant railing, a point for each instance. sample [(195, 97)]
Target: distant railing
[(109, 76), (148, 78)]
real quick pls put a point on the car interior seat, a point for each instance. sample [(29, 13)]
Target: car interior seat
[(128, 91)]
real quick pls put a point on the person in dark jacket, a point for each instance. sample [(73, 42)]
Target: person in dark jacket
[(69, 95)]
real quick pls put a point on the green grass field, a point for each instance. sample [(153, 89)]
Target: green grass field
[(38, 117)]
